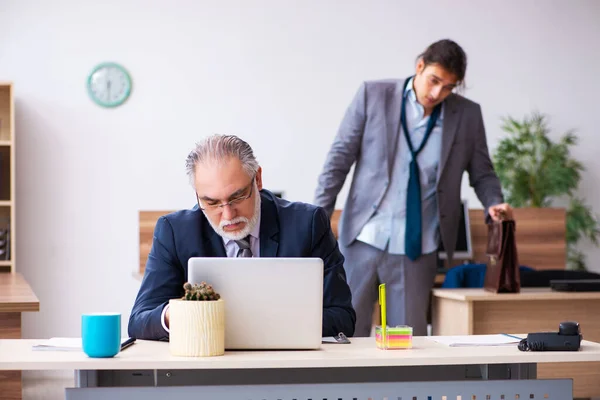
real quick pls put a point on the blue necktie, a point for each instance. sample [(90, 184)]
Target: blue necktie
[(414, 230)]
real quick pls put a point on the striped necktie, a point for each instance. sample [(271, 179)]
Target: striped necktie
[(244, 245)]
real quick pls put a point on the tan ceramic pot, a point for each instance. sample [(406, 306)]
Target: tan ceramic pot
[(197, 328)]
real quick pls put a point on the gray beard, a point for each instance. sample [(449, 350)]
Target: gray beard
[(250, 223)]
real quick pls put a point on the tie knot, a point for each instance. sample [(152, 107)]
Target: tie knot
[(244, 243), (244, 247)]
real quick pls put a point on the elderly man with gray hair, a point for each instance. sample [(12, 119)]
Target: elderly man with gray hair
[(235, 217)]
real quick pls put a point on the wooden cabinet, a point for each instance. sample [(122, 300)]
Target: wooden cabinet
[(16, 296), (7, 179)]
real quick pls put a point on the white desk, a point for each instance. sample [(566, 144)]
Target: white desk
[(147, 371)]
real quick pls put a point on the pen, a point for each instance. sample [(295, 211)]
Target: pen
[(383, 311), (127, 343)]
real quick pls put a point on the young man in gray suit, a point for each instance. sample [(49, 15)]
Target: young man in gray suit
[(411, 141)]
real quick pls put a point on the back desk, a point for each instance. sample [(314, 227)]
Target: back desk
[(540, 236), (336, 371)]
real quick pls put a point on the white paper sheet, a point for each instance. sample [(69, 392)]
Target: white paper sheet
[(477, 340), (62, 344)]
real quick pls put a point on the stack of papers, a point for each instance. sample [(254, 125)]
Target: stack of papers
[(59, 344), (62, 344), (477, 340)]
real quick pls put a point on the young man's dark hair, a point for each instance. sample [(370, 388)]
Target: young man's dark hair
[(449, 55)]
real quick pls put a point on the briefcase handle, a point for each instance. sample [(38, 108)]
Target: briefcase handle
[(495, 234)]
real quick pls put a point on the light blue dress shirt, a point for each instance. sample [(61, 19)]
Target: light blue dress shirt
[(386, 228)]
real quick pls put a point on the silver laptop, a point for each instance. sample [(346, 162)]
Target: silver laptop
[(270, 303)]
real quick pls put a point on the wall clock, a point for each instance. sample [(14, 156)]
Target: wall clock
[(109, 85)]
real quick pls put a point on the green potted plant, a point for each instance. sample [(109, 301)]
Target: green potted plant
[(197, 322), (535, 171)]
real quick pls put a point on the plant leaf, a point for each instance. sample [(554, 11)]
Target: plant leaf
[(535, 170)]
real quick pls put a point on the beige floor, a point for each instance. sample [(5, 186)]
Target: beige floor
[(46, 388)]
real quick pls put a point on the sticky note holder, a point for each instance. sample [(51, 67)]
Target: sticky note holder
[(395, 337)]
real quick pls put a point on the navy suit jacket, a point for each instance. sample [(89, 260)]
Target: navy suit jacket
[(287, 229)]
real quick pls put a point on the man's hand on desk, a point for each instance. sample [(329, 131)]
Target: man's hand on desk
[(501, 211), (167, 317)]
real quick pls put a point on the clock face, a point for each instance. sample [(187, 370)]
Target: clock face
[(109, 85)]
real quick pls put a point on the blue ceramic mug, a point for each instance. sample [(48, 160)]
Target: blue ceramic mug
[(101, 334)]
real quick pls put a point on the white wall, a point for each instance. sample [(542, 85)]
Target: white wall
[(278, 73)]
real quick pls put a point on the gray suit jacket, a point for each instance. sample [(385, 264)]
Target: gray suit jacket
[(368, 136)]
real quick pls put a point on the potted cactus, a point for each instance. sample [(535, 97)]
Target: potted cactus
[(197, 322)]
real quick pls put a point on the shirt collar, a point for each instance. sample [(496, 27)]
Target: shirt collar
[(409, 92)]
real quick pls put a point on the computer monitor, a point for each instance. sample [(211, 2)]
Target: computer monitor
[(463, 249)]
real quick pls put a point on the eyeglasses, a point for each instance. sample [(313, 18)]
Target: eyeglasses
[(214, 208)]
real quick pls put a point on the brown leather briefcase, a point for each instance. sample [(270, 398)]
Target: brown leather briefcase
[(502, 271)]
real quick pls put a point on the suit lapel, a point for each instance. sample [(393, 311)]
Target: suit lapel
[(217, 245), (212, 243), (394, 129), (449, 128), (269, 228)]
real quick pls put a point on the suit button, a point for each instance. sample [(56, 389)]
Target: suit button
[(374, 206)]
